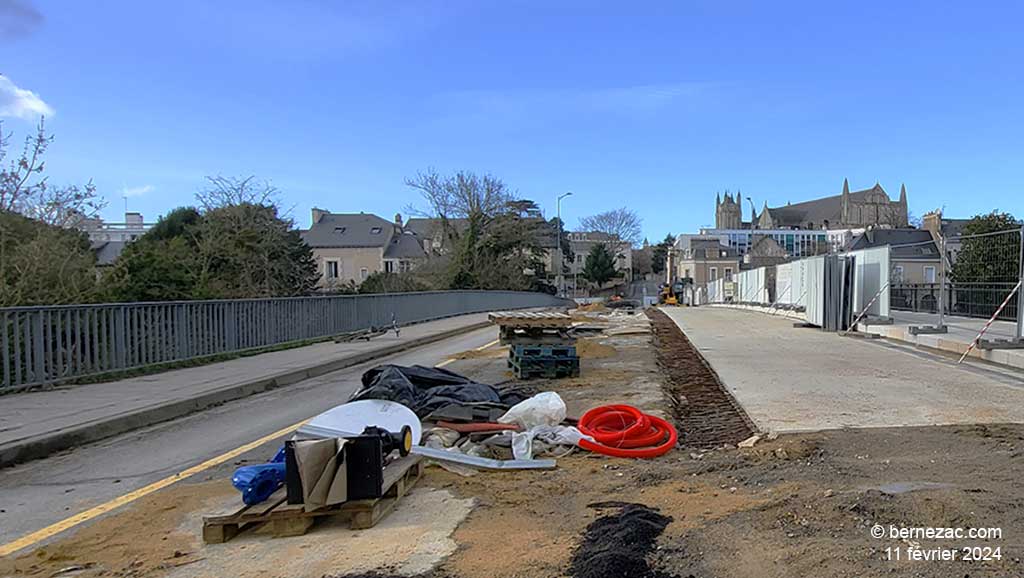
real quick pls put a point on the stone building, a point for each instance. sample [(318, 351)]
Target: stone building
[(349, 247), (865, 208), (701, 259)]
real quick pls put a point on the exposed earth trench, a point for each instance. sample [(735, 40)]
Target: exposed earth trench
[(705, 414)]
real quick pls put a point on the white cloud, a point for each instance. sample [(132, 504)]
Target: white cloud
[(136, 191), (20, 103)]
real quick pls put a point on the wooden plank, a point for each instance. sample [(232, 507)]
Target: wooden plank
[(295, 526), (219, 533), (254, 511), (367, 519)]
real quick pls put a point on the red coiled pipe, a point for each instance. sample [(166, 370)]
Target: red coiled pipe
[(624, 431)]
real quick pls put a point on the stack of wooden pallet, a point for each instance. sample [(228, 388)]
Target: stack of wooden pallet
[(539, 343)]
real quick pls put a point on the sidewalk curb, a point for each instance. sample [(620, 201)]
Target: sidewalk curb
[(44, 445)]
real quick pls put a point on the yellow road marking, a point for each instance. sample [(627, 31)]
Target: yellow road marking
[(68, 523), (481, 348)]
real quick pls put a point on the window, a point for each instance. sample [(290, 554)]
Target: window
[(363, 274), (389, 266), (929, 274), (686, 273), (403, 266), (728, 273), (714, 274), (579, 258), (331, 269), (339, 230), (897, 273), (375, 230)]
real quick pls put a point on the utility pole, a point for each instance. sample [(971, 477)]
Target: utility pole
[(558, 244)]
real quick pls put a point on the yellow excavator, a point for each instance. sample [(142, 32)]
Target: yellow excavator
[(672, 293)]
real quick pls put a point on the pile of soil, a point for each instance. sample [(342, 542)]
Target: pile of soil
[(593, 307), (590, 349), (705, 414), (618, 544)]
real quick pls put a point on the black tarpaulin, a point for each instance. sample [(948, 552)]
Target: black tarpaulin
[(425, 389)]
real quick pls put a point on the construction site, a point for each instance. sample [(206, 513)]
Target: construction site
[(597, 441)]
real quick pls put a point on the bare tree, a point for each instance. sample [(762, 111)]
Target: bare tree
[(464, 195), (228, 191), (622, 224), (495, 240), (24, 189)]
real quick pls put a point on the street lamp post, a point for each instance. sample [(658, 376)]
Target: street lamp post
[(558, 244)]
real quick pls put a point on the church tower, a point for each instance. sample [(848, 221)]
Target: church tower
[(728, 212)]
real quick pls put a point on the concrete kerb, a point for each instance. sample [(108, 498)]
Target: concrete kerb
[(767, 310), (942, 343), (47, 444)]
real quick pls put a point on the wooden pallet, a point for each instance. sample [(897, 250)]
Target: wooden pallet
[(292, 520), (529, 335), (552, 319)]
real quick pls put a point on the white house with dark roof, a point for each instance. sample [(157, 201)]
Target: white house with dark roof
[(349, 247)]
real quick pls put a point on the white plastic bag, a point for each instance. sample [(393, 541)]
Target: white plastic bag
[(542, 409), (554, 435)]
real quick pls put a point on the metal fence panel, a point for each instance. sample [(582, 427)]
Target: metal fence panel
[(42, 345), (871, 281), (814, 289)]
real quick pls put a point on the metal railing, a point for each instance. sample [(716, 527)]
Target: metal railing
[(978, 300), (971, 276), (43, 345)]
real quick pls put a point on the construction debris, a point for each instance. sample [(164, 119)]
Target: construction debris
[(749, 442)]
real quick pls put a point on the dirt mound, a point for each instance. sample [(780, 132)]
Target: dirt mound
[(590, 349), (617, 545), (592, 307)]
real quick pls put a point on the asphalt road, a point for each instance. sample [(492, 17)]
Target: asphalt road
[(43, 492)]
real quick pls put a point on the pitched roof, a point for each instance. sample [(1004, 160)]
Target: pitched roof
[(953, 227), (349, 230), (765, 246), (906, 244), (404, 246), (819, 210)]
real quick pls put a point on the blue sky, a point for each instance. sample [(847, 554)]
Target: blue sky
[(655, 106)]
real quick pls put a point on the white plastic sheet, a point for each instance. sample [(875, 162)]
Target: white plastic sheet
[(542, 409)]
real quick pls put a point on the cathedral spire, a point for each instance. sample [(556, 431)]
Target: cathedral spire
[(903, 194), (844, 212)]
